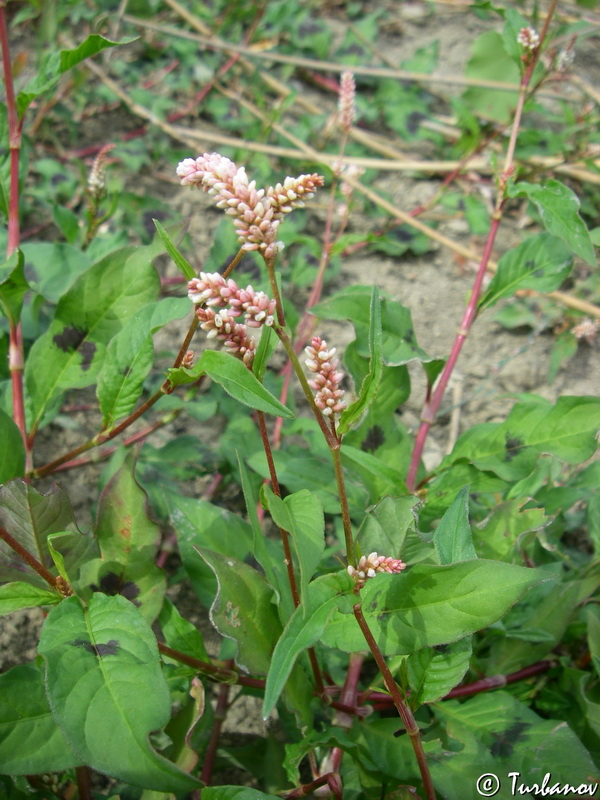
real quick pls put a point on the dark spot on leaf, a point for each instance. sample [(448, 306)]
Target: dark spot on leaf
[(409, 336), (111, 648), (513, 446), (504, 743), (112, 584), (373, 439), (352, 50), (461, 204), (530, 263), (87, 351), (539, 273), (308, 28), (402, 234), (441, 648), (70, 339), (413, 121), (57, 178)]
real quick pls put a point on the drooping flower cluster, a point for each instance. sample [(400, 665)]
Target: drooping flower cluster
[(528, 38), (214, 291), (256, 212), (346, 104), (369, 566), (97, 179), (586, 329), (321, 361)]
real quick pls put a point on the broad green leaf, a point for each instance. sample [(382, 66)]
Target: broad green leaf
[(31, 742), (430, 605), (452, 537), (13, 287), (70, 354), (593, 636), (435, 671), (305, 627), (12, 452), (301, 514), (200, 524), (545, 612), (102, 666), (368, 390), (180, 634), (559, 209), (56, 63), (30, 517), (510, 449), (388, 479), (128, 541), (386, 525), (495, 733), (53, 266), (178, 259), (490, 61), (501, 534), (18, 594), (243, 610), (541, 262)]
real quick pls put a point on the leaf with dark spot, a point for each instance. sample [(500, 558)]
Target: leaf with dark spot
[(514, 445), (374, 439), (87, 351), (69, 339), (111, 648), (402, 233), (413, 121), (112, 584), (308, 28), (504, 743)]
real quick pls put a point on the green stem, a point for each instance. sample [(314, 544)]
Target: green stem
[(405, 713), (339, 476)]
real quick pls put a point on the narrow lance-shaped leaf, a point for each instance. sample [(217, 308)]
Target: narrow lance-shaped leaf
[(305, 627), (356, 411), (17, 595), (107, 690), (178, 259), (452, 537), (301, 514)]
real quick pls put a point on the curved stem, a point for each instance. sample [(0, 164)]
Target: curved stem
[(29, 558)]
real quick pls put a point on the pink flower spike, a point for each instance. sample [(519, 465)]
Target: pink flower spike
[(346, 104), (321, 361), (369, 566)]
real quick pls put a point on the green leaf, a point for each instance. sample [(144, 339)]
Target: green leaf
[(53, 266), (58, 62), (398, 336), (178, 259), (510, 449), (237, 380), (243, 610), (102, 667), (559, 209), (495, 733), (501, 534), (129, 358), (180, 634), (541, 262), (490, 61), (301, 514), (266, 346), (433, 672), (452, 537), (386, 526), (30, 740), (14, 596), (368, 390), (13, 287), (12, 452), (30, 517), (70, 354), (200, 524), (305, 627), (128, 542), (430, 605)]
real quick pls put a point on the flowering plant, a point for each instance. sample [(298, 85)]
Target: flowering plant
[(363, 598)]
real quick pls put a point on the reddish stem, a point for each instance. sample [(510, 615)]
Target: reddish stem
[(215, 734), (29, 558)]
